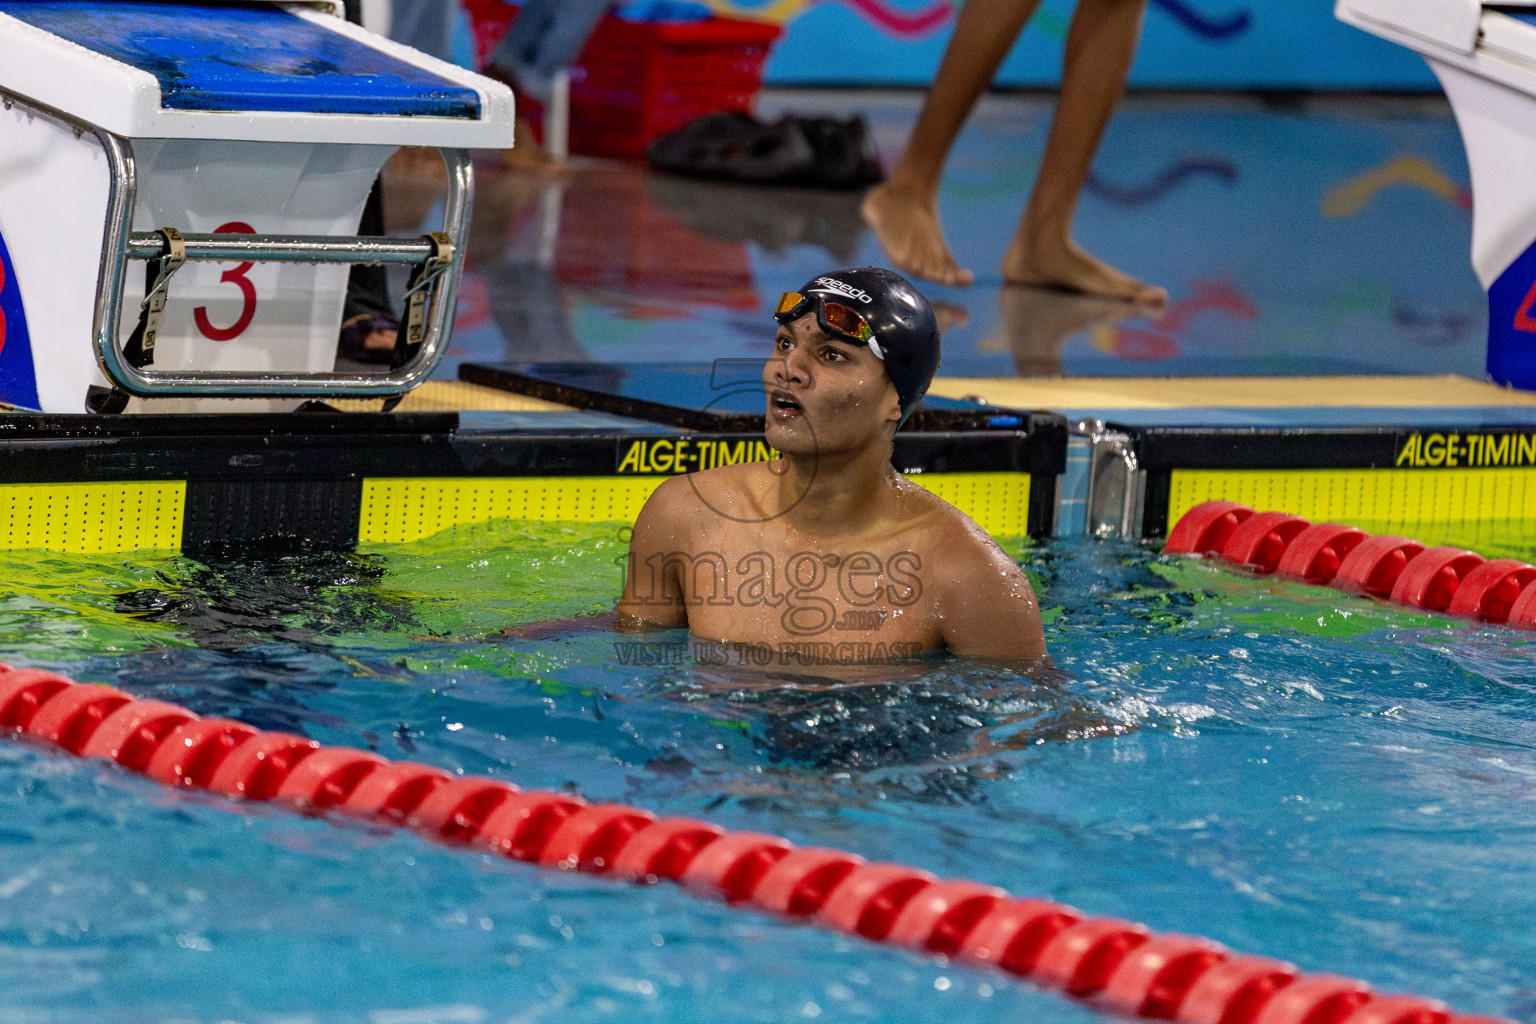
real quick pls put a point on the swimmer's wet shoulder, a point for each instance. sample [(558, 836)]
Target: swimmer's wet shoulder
[(828, 555)]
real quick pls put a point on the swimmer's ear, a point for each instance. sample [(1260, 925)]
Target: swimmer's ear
[(893, 414)]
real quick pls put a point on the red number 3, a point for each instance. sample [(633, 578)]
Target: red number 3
[(236, 277)]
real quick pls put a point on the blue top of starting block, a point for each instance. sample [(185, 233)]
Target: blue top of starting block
[(1524, 14), (247, 57)]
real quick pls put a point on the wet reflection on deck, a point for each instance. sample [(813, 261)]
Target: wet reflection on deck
[(1329, 237)]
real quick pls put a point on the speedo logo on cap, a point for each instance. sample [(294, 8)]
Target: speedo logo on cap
[(834, 285)]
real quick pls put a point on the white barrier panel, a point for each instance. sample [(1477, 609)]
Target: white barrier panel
[(1486, 62)]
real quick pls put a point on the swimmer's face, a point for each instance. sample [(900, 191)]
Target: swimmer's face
[(826, 394)]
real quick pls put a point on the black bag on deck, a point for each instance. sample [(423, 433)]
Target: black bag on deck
[(821, 152)]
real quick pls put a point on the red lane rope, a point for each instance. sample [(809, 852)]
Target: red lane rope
[(1118, 965), (1441, 579)]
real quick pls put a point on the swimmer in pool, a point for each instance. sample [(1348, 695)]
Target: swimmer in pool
[(827, 555)]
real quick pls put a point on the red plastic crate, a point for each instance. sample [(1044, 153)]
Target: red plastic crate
[(637, 80)]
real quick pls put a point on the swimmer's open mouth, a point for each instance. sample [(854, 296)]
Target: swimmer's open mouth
[(784, 402)]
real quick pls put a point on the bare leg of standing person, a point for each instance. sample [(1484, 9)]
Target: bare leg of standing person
[(905, 210), (546, 37), (1100, 45)]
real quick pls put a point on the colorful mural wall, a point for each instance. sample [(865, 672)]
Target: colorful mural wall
[(1242, 44)]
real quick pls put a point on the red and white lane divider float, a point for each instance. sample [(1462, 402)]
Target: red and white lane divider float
[(1442, 579), (1117, 965)]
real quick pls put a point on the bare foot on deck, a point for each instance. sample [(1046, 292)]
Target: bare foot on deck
[(909, 231), (1065, 265)]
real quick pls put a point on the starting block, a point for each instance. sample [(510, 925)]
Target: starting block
[(228, 150), (1485, 58)]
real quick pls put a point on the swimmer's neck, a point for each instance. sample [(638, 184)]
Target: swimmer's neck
[(839, 493)]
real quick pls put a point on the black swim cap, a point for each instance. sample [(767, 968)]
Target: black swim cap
[(906, 331)]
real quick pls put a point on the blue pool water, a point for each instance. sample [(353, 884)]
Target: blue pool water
[(1285, 769)]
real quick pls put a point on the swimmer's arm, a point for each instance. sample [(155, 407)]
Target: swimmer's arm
[(987, 606), (596, 622), (651, 599)]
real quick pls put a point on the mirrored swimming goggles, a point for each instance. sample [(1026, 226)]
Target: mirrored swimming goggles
[(834, 317)]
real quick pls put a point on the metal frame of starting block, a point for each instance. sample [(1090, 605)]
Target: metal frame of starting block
[(326, 161), (431, 297)]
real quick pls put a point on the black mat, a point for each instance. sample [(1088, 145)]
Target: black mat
[(724, 396)]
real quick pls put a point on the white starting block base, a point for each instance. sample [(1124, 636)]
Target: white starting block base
[(53, 202), (285, 315), (222, 316), (219, 162)]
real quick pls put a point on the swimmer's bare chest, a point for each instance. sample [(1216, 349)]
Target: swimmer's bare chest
[(843, 599)]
